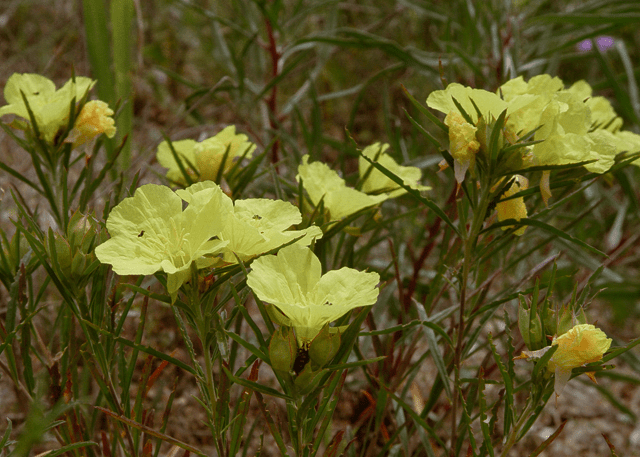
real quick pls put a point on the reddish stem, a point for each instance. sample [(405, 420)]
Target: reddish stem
[(272, 100)]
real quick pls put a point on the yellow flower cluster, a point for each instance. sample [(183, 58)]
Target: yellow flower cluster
[(50, 107)]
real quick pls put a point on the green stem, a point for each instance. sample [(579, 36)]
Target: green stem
[(202, 327), (470, 241), (516, 430)]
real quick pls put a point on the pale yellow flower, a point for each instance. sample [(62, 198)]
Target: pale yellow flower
[(203, 160), (515, 207), (377, 182), (50, 107)]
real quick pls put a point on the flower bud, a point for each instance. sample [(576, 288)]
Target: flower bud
[(307, 380), (283, 349), (324, 346), (530, 327)]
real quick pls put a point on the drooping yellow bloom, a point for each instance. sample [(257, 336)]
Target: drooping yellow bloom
[(50, 107), (463, 144), (583, 344), (94, 119), (515, 207)]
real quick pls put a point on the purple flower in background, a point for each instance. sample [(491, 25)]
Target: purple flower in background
[(603, 42)]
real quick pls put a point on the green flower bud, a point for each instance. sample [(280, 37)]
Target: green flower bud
[(568, 319), (325, 346), (283, 349), (72, 253), (530, 327)]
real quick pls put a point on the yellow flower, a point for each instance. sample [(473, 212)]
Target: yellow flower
[(515, 207), (463, 144), (50, 107), (202, 160), (323, 184), (94, 119), (584, 343), (376, 182), (293, 282)]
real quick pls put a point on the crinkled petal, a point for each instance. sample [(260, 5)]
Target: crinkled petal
[(184, 149), (377, 181), (323, 184), (488, 103)]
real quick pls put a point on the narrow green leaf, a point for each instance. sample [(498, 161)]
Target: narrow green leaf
[(438, 360), (424, 110), (255, 386)]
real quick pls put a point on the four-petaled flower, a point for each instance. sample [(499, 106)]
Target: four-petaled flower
[(150, 232), (292, 281), (258, 225)]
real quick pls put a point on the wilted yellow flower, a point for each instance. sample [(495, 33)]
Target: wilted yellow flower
[(515, 207), (94, 119), (463, 144), (584, 343)]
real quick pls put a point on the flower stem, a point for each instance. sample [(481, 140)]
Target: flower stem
[(470, 240), (202, 327)]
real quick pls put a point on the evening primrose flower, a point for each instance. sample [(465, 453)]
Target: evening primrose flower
[(376, 182), (94, 119), (150, 232), (582, 344), (203, 160), (489, 104), (50, 107), (513, 208), (259, 225), (463, 143), (323, 184), (292, 281), (564, 122), (256, 225)]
